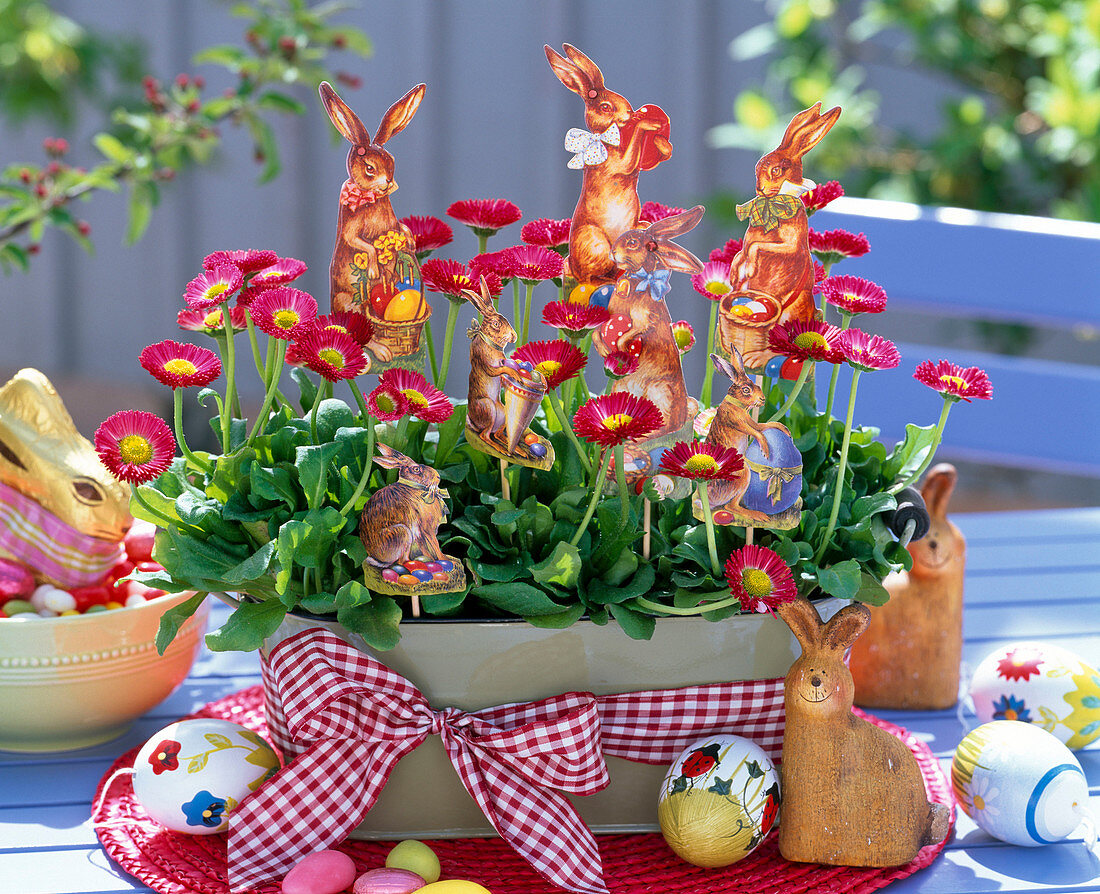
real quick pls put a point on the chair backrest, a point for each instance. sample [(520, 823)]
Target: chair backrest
[(967, 265)]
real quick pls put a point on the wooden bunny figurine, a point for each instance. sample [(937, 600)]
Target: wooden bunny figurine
[(767, 492), (853, 794), (775, 261), (909, 657), (503, 395), (399, 526), (62, 514), (640, 323), (618, 144), (374, 269)]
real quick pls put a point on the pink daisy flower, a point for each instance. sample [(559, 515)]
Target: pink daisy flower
[(684, 335), (280, 273), (533, 263), (450, 278), (558, 361), (210, 321), (810, 340), (247, 260), (214, 287), (495, 262), (546, 232), (180, 365), (425, 400), (485, 216), (284, 312), (135, 446), (613, 419), (868, 352), (388, 403), (835, 245), (727, 252), (696, 460), (652, 212), (575, 320), (429, 233), (356, 325), (620, 364), (759, 579), (955, 382), (821, 195), (854, 295), (331, 353), (714, 281)]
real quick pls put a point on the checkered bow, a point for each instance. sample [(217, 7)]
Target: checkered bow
[(358, 719)]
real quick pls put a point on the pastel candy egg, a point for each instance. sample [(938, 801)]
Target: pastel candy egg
[(138, 541), (192, 774), (530, 438), (408, 580), (718, 801), (59, 601), (446, 564), (415, 856), (400, 569), (388, 881), (1039, 683), (1019, 783), (38, 597), (422, 574), (433, 567), (388, 574), (440, 575), (19, 607), (322, 872), (537, 450), (16, 581), (415, 565), (454, 886)]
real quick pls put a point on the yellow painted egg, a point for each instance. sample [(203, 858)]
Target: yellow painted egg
[(454, 886), (404, 306), (581, 293)]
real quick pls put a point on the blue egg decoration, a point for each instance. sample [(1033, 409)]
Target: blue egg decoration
[(445, 564), (602, 296), (537, 450), (781, 489), (774, 367), (422, 574)]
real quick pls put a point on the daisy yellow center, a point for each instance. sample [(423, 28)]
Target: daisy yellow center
[(756, 582), (162, 756), (979, 802), (618, 421), (809, 340), (336, 327), (417, 399), (701, 462), (177, 366), (332, 357), (267, 274), (953, 380), (717, 287), (215, 290), (213, 320), (549, 367), (135, 449), (286, 318), (385, 403), (683, 338)]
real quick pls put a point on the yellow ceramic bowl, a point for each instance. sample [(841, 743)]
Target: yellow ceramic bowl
[(76, 681)]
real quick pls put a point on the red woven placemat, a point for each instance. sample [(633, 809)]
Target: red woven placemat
[(172, 863)]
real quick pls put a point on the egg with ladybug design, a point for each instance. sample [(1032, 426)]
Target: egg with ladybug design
[(718, 801), (614, 329)]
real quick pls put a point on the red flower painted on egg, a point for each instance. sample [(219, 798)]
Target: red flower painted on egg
[(165, 756), (1019, 664)]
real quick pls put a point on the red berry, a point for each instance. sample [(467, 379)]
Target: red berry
[(40, 191), (199, 81), (349, 80), (182, 80), (25, 175), (83, 227), (288, 45), (34, 248), (339, 41), (193, 106)]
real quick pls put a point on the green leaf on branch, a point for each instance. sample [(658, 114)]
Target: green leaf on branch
[(246, 629), (910, 452), (635, 624), (143, 198), (376, 621), (871, 591), (173, 619), (842, 580)]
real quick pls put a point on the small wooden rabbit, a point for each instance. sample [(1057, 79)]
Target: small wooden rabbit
[(618, 144), (853, 794), (640, 323), (772, 476), (775, 259), (399, 526), (374, 269), (503, 396), (62, 514), (909, 657)]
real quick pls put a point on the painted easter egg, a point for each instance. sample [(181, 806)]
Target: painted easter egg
[(650, 156), (774, 367), (1019, 783), (537, 450), (718, 801), (601, 297), (322, 872), (380, 296), (1042, 684), (791, 369), (404, 306), (776, 481), (190, 775), (581, 293)]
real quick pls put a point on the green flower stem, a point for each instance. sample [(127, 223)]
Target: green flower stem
[(177, 402), (832, 393), (842, 467), (708, 520), (313, 413), (276, 353), (136, 494), (230, 378), (448, 340), (597, 492), (358, 393), (708, 373), (693, 610), (559, 411), (795, 389), (526, 326), (431, 351), (937, 437), (368, 461), (828, 266), (620, 478), (515, 302), (261, 367), (482, 242)]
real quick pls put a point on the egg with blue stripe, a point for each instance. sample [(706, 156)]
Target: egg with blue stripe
[(1019, 783)]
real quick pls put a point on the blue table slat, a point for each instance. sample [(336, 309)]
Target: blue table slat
[(1029, 576)]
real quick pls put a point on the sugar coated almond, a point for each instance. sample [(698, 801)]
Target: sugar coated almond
[(388, 881), (322, 872)]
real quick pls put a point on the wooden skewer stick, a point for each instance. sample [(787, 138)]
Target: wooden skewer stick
[(645, 528), (505, 486), (416, 605), (755, 413)]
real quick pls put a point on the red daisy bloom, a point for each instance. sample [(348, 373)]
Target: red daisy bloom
[(280, 273), (450, 278), (714, 281), (620, 364), (356, 325), (819, 276), (727, 252), (429, 233), (387, 403), (248, 294), (425, 400), (868, 352), (1019, 664), (533, 263), (180, 365), (485, 216), (854, 295), (213, 287), (821, 195), (165, 756), (955, 382), (135, 446), (654, 211), (835, 245), (210, 321), (546, 232), (699, 460), (613, 419), (557, 360), (575, 319), (246, 260), (759, 578), (684, 335), (495, 262), (332, 354), (284, 312), (811, 340)]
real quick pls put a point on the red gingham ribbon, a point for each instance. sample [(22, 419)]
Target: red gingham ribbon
[(358, 719)]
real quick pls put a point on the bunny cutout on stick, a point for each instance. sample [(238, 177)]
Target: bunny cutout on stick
[(374, 270), (772, 277), (504, 394), (617, 145), (399, 526), (767, 492), (62, 514), (909, 657), (853, 794)]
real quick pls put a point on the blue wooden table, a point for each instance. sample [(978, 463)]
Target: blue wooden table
[(1030, 575)]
